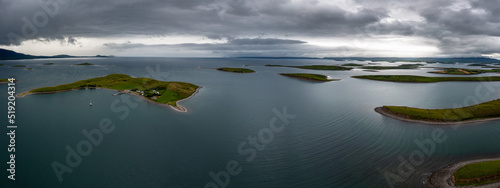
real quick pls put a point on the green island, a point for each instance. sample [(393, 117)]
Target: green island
[(309, 77), (48, 64), (316, 67), (352, 65), (476, 65), (475, 174), (476, 113), (404, 66), (18, 66), (29, 68), (84, 64), (168, 93), (424, 79), (457, 71), (4, 80), (236, 70)]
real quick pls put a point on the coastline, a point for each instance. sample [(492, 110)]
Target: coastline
[(443, 178), (387, 113), (177, 108)]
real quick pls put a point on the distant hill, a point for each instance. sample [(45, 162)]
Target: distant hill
[(11, 55)]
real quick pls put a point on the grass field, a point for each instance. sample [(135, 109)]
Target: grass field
[(478, 173), (404, 66), (311, 77), (236, 70), (457, 71), (423, 79), (484, 110), (316, 67), (166, 92)]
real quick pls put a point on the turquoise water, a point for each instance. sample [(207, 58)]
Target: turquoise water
[(335, 140)]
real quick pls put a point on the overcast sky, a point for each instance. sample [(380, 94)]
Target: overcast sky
[(221, 28)]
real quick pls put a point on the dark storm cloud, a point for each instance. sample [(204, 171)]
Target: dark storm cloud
[(248, 22)]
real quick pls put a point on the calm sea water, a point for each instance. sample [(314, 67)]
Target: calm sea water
[(335, 140)]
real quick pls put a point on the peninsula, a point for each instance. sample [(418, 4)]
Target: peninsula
[(477, 173), (424, 79), (167, 93), (487, 111)]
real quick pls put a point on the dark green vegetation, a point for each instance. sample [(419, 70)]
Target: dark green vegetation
[(48, 64), (159, 91), (484, 110), (4, 80), (84, 64), (1, 64), (29, 68), (423, 79), (315, 67), (476, 64), (311, 77), (457, 71), (352, 65), (236, 70), (18, 66), (404, 66), (478, 173)]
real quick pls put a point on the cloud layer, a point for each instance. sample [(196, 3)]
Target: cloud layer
[(457, 27)]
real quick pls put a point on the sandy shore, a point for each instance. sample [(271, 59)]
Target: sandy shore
[(387, 113), (444, 178), (179, 108)]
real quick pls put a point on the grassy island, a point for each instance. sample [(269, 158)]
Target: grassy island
[(478, 173), (457, 71), (424, 79), (18, 66), (84, 64), (310, 77), (476, 65), (404, 66), (4, 80), (316, 67), (168, 93), (236, 70), (48, 64), (352, 65), (470, 114)]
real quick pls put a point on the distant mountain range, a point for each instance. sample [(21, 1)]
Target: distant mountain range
[(446, 60), (11, 55)]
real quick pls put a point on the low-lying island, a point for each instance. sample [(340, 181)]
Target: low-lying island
[(487, 111), (166, 93)]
